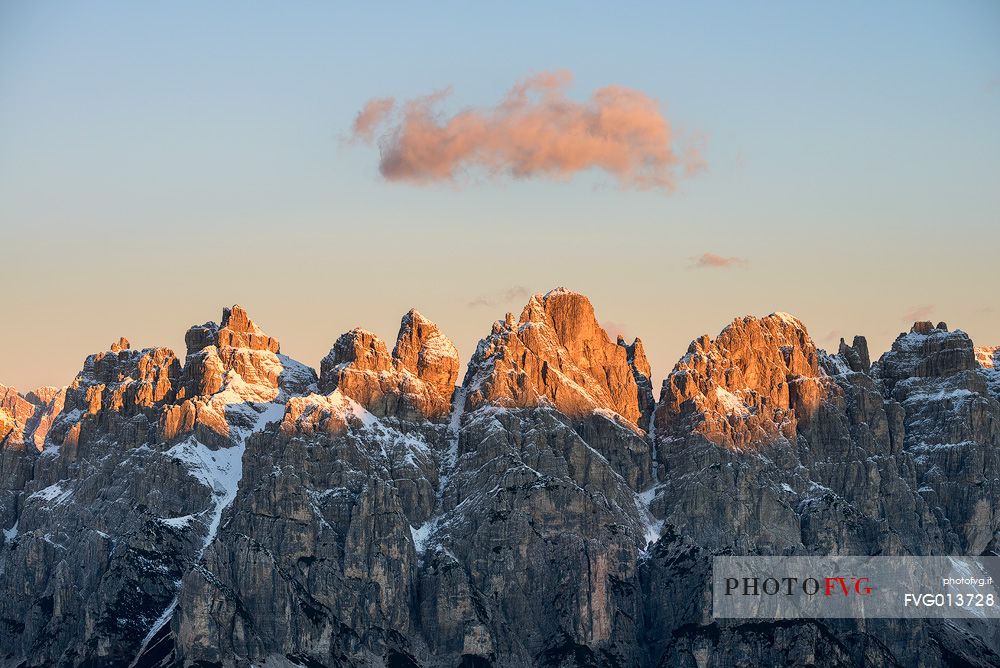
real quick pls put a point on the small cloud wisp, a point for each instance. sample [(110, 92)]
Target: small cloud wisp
[(505, 297), (713, 261), (369, 118), (536, 130), (918, 313)]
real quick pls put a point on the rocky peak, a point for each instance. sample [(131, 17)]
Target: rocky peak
[(926, 351), (747, 387), (43, 395), (229, 369), (425, 352), (361, 350), (238, 345), (988, 357), (949, 407), (118, 391), (124, 380), (15, 414), (856, 355), (556, 354), (926, 327), (236, 331), (415, 382), (636, 355), (239, 331)]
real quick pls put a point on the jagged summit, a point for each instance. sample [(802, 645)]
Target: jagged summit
[(237, 331), (787, 318), (925, 327), (856, 355), (558, 354), (926, 351), (423, 350), (237, 505), (416, 381), (231, 369), (555, 292), (15, 414), (746, 387), (117, 387)]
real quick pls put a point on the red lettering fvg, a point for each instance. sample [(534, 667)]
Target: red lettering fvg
[(841, 585)]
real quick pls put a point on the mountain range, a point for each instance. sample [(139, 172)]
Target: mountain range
[(239, 508)]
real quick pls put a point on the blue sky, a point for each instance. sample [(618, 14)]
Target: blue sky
[(159, 160)]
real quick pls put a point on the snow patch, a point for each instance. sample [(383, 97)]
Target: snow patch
[(272, 412), (54, 494), (437, 347), (732, 404), (11, 533), (788, 319), (220, 470), (421, 534), (836, 365), (652, 526), (939, 395), (178, 522), (927, 447), (295, 376)]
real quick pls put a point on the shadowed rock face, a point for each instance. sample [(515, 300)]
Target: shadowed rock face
[(241, 510), (856, 355), (636, 355), (951, 427), (926, 352)]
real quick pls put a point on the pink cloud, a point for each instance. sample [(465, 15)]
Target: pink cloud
[(713, 261), (615, 329), (369, 118), (535, 130), (918, 313)]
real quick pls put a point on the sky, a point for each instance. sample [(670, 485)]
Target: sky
[(159, 161)]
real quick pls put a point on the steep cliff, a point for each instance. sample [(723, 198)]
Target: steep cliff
[(240, 509)]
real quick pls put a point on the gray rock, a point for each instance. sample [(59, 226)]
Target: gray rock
[(240, 510)]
